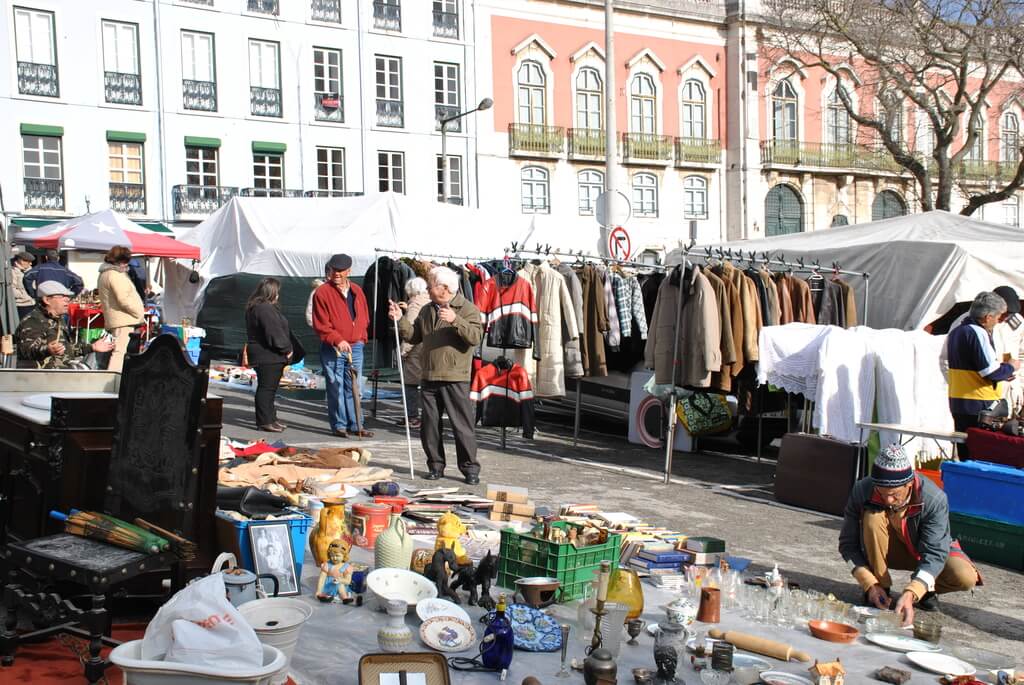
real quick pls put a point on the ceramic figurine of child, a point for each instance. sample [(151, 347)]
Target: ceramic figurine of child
[(449, 528), (335, 580)]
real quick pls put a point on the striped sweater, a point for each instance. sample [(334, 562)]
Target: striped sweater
[(975, 372), (503, 398)]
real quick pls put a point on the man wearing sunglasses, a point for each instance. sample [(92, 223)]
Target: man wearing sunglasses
[(43, 338)]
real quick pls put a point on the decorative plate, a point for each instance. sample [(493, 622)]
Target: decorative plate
[(447, 634), (427, 609), (940, 663), (783, 678), (741, 660), (901, 643), (534, 630)]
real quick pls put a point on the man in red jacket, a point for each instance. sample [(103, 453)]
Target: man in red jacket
[(340, 319)]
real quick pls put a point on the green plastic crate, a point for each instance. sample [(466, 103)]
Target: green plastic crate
[(524, 556), (986, 540), (90, 335)]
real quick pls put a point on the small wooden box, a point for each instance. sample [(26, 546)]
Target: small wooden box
[(374, 669)]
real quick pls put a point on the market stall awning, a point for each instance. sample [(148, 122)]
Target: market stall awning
[(101, 231), (23, 222)]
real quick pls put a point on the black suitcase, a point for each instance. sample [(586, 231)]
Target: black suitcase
[(815, 472)]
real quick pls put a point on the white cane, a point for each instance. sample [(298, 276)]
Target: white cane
[(405, 405)]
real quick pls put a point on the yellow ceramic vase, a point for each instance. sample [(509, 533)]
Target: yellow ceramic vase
[(624, 588), (330, 528)]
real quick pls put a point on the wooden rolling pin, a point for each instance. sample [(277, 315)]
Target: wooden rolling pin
[(759, 645)]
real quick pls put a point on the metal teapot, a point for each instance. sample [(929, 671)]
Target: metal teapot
[(241, 584)]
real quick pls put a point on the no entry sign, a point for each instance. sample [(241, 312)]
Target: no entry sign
[(619, 246)]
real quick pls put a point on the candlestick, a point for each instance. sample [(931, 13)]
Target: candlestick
[(602, 582)]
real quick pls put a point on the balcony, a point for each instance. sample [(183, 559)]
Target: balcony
[(446, 24), (327, 10), (586, 143), (200, 200), (390, 113), (983, 171), (535, 140), (44, 193), (796, 153), (329, 107), (269, 192), (38, 79), (446, 112), (264, 6), (387, 16), (452, 200), (122, 89), (698, 151), (199, 95), (265, 102), (128, 198), (331, 193), (645, 148)]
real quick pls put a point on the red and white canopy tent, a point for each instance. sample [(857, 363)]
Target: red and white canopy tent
[(100, 231)]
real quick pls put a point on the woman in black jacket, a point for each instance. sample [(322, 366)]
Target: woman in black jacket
[(269, 349)]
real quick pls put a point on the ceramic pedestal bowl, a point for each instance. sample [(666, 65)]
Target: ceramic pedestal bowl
[(399, 583), (833, 632), (538, 592)]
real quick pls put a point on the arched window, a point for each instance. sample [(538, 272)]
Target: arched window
[(1011, 211), (532, 85), (840, 220), (694, 109), (891, 105), (886, 205), (535, 190), (924, 135), (589, 97), (976, 153), (783, 211), (837, 120), (1011, 138), (645, 195), (784, 112), (695, 198), (642, 105), (591, 185)]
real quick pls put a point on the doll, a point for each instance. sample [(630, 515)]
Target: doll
[(336, 573), (449, 528)]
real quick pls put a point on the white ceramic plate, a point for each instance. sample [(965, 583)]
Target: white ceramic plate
[(741, 660), (427, 609), (900, 643), (447, 634), (940, 663), (783, 678)]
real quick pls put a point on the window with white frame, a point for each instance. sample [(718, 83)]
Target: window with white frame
[(642, 105), (263, 64), (446, 94), (268, 173), (535, 190), (327, 81), (330, 169), (694, 109), (695, 198), (42, 157), (1010, 137), (589, 99), (125, 162), (1011, 211), (388, 79), (454, 179), (198, 71), (120, 47), (976, 153), (591, 185), (924, 135), (36, 52), (201, 166), (391, 171), (531, 83), (892, 106), (837, 120), (784, 112), (645, 195)]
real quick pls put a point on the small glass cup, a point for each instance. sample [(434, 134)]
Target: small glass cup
[(928, 628)]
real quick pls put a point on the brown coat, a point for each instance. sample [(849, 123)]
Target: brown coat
[(851, 303), (803, 306), (774, 314), (750, 306), (722, 378), (782, 287), (595, 323), (699, 333)]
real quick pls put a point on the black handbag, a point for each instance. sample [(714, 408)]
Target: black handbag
[(251, 501)]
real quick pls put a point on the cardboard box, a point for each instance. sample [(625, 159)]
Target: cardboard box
[(499, 516), (517, 508), (508, 493)]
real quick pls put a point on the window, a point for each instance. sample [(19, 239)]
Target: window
[(391, 171), (694, 109), (330, 169), (122, 84), (36, 52), (645, 195), (127, 182), (531, 87), (201, 166), (387, 15), (327, 84), (446, 94), (886, 205), (977, 151), (837, 120), (642, 103), (695, 198), (591, 185), (454, 180), (389, 91), (44, 177), (924, 135), (1010, 138), (446, 18), (534, 181), (784, 112), (198, 72), (1011, 211), (327, 11), (589, 99), (267, 174), (892, 106), (264, 78)]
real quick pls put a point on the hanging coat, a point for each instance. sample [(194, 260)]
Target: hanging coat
[(699, 334), (595, 323), (554, 311), (722, 378), (384, 280), (750, 307), (571, 348)]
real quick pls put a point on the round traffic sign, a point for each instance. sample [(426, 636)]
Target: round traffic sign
[(619, 245), (613, 209)]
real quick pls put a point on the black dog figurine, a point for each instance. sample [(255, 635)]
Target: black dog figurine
[(439, 570), (467, 578)]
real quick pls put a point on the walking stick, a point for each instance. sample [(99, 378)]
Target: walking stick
[(405, 405), (357, 397)]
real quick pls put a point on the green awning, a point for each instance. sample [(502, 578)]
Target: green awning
[(27, 222), (126, 137), (155, 226), (264, 146), (42, 130), (199, 141)]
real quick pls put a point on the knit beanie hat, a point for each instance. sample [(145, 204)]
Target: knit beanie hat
[(892, 467)]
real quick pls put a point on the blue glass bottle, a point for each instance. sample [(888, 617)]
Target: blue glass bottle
[(498, 640)]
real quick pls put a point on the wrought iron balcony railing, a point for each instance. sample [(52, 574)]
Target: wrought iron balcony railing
[(586, 143), (329, 107), (444, 112), (122, 89), (646, 147), (332, 193), (44, 193), (199, 95), (269, 192), (38, 79), (827, 155), (189, 199), (535, 139), (128, 198), (265, 6), (698, 151), (446, 24), (327, 10), (387, 16), (265, 102), (390, 113)]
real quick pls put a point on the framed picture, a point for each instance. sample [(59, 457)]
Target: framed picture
[(272, 553)]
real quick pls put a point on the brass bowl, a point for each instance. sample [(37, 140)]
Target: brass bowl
[(538, 591)]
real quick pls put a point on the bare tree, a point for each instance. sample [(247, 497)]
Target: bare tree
[(943, 59)]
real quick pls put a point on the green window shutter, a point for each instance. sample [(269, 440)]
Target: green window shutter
[(41, 130), (264, 146), (126, 137), (783, 211), (198, 141)]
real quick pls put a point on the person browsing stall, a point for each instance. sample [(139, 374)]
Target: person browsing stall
[(43, 339), (416, 298), (52, 270), (898, 519), (448, 328), (341, 320), (20, 265), (120, 303), (268, 349)]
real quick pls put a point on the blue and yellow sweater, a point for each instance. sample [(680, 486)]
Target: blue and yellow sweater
[(974, 370)]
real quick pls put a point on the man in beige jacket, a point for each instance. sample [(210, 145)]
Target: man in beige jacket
[(120, 302)]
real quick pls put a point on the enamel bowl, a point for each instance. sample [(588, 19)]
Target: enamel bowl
[(399, 583)]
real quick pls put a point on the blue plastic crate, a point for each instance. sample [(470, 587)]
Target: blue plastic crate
[(981, 489), (192, 342), (233, 536)]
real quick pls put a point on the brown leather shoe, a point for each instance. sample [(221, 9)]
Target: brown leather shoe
[(271, 428), (363, 433), (340, 433), (279, 425)]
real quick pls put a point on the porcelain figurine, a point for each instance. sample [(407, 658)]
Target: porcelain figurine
[(335, 580), (330, 528), (449, 529), (440, 569), (468, 578), (393, 547), (395, 636)]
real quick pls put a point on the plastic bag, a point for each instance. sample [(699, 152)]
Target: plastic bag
[(200, 626)]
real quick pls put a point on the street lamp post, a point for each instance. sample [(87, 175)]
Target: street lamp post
[(486, 103)]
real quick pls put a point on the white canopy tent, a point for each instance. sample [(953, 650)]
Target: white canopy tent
[(920, 265)]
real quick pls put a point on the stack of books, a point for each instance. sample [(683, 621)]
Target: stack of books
[(702, 551), (657, 559)]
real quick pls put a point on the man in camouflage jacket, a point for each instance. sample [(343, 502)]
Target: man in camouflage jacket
[(43, 338)]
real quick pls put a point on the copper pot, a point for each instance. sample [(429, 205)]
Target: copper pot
[(710, 605)]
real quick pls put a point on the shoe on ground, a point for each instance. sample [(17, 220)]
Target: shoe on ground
[(433, 475), (930, 602), (415, 424), (362, 433), (472, 480), (272, 428), (339, 433), (279, 425)]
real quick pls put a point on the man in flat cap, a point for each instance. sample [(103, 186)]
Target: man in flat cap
[(43, 339), (340, 319)]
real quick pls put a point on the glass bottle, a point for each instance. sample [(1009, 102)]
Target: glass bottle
[(498, 654)]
